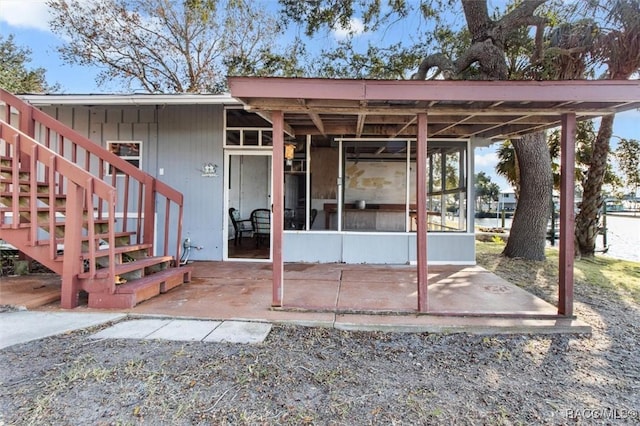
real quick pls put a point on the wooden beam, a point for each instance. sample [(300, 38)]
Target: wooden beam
[(267, 116), (438, 90), (404, 127), (539, 110), (360, 124), (315, 117), (452, 125)]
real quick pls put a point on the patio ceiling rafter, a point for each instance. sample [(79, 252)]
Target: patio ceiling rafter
[(486, 109)]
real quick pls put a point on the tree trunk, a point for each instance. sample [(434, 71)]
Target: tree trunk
[(529, 229), (587, 218)]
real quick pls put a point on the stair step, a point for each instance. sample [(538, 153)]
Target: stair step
[(157, 278), (130, 294), (45, 241), (137, 265), (28, 209), (119, 250), (39, 195), (6, 180), (45, 223), (104, 236)]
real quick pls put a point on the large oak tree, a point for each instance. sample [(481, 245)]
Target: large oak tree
[(478, 51)]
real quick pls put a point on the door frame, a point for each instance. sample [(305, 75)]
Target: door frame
[(228, 153)]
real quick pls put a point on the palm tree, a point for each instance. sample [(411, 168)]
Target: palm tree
[(619, 48)]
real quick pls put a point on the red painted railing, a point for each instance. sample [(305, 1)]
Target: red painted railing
[(83, 191), (148, 192)]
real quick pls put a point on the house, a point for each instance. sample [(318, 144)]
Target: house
[(507, 201), (336, 161)]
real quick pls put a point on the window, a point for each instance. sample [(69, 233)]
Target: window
[(376, 191), (447, 186), (375, 196), (245, 129), (130, 151)]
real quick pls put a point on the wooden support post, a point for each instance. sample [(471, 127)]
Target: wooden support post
[(567, 216), (148, 213), (277, 223), (72, 246), (421, 217)]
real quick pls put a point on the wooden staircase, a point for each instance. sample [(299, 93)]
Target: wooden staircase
[(58, 207)]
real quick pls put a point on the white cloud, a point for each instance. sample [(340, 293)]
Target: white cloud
[(354, 28), (490, 159), (25, 13)]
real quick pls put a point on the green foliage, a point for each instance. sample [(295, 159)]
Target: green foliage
[(508, 164), (585, 139), (15, 77), (485, 190), (162, 46), (628, 156), (497, 239)]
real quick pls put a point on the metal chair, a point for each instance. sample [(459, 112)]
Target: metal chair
[(300, 220), (239, 225), (261, 222)]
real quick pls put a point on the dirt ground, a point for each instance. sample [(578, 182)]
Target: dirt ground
[(305, 375)]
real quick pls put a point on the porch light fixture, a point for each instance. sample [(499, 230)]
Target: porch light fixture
[(289, 151)]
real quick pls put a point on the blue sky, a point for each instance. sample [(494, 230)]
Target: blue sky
[(27, 20)]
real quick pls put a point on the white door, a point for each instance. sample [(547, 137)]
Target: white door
[(247, 183)]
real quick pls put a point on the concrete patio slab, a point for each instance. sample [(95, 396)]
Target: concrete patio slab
[(369, 295), (483, 293), (381, 297), (232, 299), (25, 326)]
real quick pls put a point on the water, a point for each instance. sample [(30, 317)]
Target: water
[(623, 235)]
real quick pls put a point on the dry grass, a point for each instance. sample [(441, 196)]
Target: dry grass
[(617, 277), (302, 375)]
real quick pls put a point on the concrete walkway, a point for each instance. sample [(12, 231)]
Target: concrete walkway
[(24, 326)]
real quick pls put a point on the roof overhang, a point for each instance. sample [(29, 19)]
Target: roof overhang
[(484, 110), (129, 99)]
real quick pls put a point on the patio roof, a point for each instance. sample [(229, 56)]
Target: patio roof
[(492, 110), (488, 110)]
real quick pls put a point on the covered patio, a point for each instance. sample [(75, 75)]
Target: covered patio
[(479, 111), (356, 297)]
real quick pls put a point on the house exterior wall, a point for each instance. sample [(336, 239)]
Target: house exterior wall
[(189, 138), (178, 140), (507, 201), (377, 248)]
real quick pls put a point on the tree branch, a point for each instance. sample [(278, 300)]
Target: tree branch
[(489, 57), (437, 60)]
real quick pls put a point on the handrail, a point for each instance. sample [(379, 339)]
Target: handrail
[(148, 187), (25, 147)]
